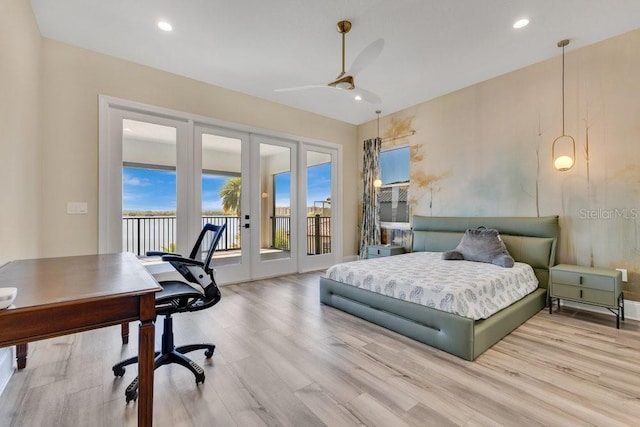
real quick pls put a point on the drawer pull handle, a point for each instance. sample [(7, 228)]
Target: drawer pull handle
[(581, 283), (580, 293)]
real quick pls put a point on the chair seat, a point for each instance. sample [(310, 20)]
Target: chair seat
[(175, 289), (176, 297)]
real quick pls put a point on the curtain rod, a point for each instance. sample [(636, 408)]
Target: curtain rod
[(393, 138)]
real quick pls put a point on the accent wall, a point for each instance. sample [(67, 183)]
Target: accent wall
[(485, 150)]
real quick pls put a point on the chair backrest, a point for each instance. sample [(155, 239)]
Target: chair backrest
[(214, 233), (192, 268)]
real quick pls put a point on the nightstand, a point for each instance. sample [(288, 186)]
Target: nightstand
[(595, 286), (378, 251)]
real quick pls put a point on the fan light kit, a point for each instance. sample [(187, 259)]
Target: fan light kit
[(345, 80)]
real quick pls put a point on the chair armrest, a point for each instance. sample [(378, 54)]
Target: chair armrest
[(179, 259), (160, 253)]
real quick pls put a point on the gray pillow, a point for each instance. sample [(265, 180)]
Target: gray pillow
[(482, 245)]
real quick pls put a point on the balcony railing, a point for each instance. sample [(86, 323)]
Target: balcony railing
[(158, 233), (318, 235)]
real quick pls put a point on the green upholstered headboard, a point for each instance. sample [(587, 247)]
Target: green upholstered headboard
[(531, 240)]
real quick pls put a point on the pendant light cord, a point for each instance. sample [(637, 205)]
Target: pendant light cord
[(563, 45)]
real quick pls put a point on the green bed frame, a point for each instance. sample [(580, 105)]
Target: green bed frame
[(531, 240)]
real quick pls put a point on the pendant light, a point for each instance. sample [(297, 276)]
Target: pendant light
[(563, 150), (377, 183)]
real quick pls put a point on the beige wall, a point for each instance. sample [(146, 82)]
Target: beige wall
[(20, 167), (72, 80), (486, 151)]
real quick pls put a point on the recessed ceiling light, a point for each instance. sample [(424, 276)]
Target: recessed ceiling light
[(520, 23), (358, 98), (164, 26)]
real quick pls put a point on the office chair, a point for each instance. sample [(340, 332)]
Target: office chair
[(176, 296)]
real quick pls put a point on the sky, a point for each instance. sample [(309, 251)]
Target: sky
[(155, 190)]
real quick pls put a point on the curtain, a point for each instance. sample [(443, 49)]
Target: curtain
[(370, 228)]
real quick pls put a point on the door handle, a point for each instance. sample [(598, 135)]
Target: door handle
[(246, 226)]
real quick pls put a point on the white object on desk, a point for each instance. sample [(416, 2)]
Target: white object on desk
[(7, 295)]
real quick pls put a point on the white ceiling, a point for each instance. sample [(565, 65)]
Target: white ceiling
[(432, 47)]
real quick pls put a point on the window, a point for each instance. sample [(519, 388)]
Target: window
[(281, 219), (393, 194)]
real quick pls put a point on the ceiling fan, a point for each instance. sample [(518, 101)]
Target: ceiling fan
[(345, 80)]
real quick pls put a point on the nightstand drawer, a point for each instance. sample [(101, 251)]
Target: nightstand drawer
[(376, 251), (577, 293), (591, 281)]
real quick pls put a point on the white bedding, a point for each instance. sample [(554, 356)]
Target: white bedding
[(469, 289)]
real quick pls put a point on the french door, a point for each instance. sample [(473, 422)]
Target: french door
[(248, 182), (275, 191), (163, 175), (144, 191), (319, 183)]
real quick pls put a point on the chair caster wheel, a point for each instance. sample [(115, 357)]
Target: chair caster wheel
[(131, 393), (209, 353), (118, 372), (131, 396)]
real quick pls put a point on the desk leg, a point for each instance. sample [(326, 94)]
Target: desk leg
[(146, 354), (21, 355), (124, 332)]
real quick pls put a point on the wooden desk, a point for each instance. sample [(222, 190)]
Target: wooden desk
[(59, 296)]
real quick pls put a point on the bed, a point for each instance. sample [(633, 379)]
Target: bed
[(529, 240)]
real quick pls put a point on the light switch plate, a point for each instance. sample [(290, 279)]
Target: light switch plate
[(77, 208)]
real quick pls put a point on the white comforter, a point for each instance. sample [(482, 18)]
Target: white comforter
[(470, 289)]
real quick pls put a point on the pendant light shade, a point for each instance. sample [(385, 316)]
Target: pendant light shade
[(563, 150)]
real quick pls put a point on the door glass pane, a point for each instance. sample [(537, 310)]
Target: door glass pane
[(275, 208), (318, 203), (221, 193), (148, 187)]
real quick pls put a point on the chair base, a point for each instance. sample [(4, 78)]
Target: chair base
[(169, 354)]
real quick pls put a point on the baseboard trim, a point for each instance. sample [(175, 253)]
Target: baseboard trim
[(631, 308)]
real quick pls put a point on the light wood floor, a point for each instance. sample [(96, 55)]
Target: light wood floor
[(284, 359)]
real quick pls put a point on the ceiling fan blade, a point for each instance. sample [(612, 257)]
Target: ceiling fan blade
[(290, 89), (368, 96), (367, 56)]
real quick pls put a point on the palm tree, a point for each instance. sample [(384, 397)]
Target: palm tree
[(230, 195)]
